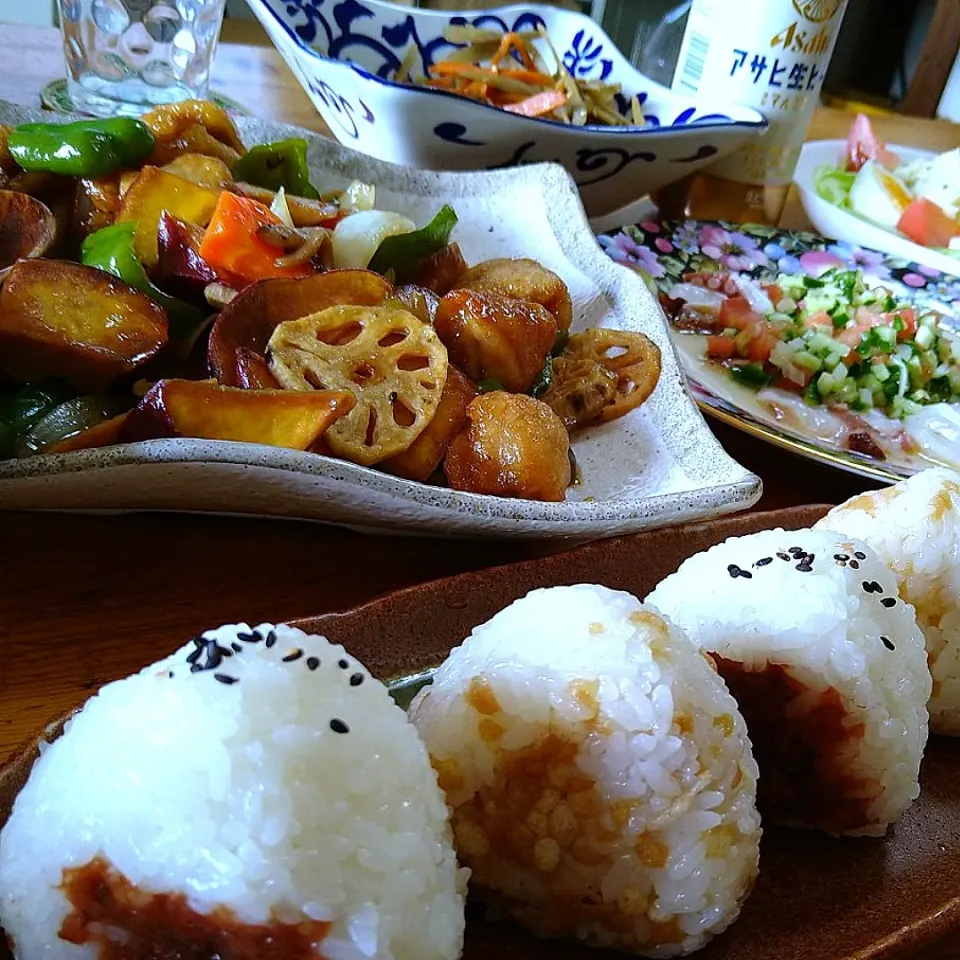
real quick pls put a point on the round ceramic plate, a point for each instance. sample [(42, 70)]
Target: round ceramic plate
[(663, 252)]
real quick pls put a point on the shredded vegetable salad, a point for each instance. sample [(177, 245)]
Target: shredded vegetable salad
[(831, 338), (507, 70)]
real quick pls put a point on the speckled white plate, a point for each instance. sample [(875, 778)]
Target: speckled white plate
[(660, 465)]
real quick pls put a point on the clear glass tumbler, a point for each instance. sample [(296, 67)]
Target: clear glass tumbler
[(126, 56)]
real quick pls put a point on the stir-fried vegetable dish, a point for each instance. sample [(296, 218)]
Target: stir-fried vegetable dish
[(507, 70), (198, 288)]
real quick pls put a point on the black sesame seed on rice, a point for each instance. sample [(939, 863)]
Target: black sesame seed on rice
[(236, 647), (356, 679), (871, 586), (206, 655), (764, 562), (344, 664), (271, 639), (249, 637), (735, 572), (225, 678), (294, 654), (860, 555), (338, 726), (888, 643), (855, 564), (784, 556), (313, 663), (841, 556), (889, 601)]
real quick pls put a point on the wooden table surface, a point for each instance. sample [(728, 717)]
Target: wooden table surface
[(74, 590)]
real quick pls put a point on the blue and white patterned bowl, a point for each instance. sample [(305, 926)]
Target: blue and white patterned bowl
[(343, 51)]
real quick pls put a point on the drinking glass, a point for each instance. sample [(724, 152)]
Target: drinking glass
[(126, 56)]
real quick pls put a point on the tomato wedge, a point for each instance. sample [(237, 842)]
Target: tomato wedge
[(926, 223), (863, 145), (737, 313), (720, 348)]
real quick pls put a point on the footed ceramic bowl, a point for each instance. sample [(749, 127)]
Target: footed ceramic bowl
[(344, 51)]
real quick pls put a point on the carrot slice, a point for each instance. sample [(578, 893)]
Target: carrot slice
[(513, 42), (231, 242), (539, 104), (533, 77)]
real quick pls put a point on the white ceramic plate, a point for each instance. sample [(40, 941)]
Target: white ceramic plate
[(658, 466), (831, 221)]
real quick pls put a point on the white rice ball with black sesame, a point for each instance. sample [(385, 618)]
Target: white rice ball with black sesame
[(914, 526), (827, 665), (256, 794), (599, 776)]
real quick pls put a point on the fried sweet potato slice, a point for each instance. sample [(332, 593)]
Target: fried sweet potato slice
[(602, 375), (241, 332), (426, 453), (395, 365), (514, 446), (104, 434), (492, 337), (155, 191), (61, 319), (193, 126), (209, 411), (521, 279), (95, 205), (200, 169)]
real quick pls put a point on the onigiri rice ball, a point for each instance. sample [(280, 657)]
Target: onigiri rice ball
[(258, 793), (827, 665), (599, 776), (914, 526)]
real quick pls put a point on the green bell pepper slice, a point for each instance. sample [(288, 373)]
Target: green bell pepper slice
[(23, 406), (111, 250), (87, 148), (275, 165), (400, 255)]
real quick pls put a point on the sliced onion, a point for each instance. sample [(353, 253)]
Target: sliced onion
[(754, 294), (281, 209), (359, 196), (696, 296), (63, 421), (358, 237)]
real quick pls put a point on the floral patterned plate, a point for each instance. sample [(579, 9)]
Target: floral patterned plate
[(663, 252)]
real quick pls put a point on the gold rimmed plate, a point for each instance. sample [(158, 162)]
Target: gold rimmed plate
[(664, 252)]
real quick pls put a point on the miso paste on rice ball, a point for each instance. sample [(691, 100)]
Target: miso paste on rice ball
[(827, 665), (599, 775), (914, 526), (257, 794)]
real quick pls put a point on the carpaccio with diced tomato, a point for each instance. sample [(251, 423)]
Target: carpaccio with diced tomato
[(825, 348)]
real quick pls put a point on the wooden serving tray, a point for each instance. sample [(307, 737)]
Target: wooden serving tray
[(816, 898)]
